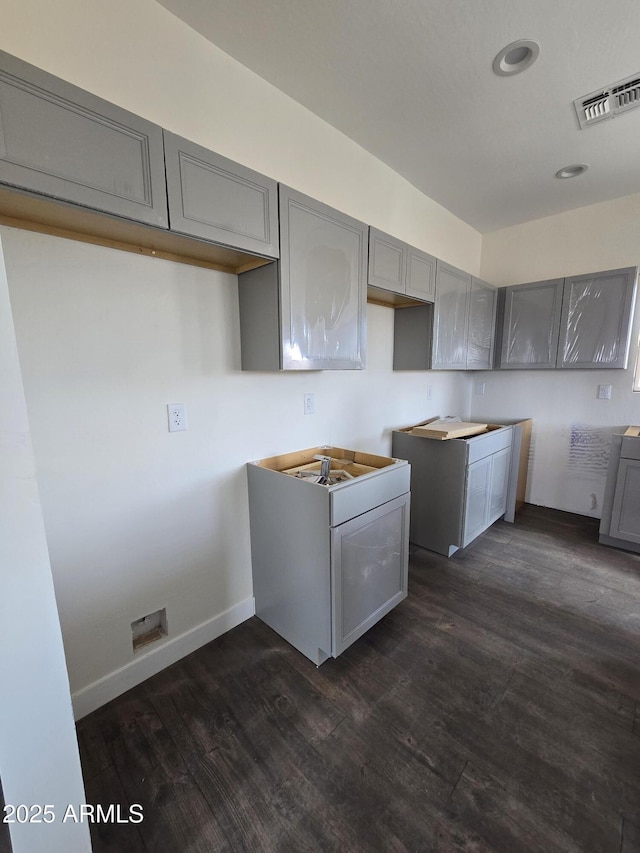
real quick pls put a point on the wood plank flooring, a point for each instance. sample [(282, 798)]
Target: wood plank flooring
[(496, 709)]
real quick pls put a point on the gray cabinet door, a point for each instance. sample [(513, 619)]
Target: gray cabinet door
[(451, 318), (369, 568), (215, 199), (323, 269), (387, 261), (476, 506), (497, 498), (59, 141), (531, 325), (482, 325), (421, 275), (625, 514), (597, 311), (486, 493), (400, 268)]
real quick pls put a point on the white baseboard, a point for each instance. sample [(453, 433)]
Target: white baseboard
[(145, 665)]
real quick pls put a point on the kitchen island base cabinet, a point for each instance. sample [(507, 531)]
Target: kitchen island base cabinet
[(328, 561), (459, 487)]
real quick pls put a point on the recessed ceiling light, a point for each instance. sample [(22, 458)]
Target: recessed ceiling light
[(516, 57), (572, 171)]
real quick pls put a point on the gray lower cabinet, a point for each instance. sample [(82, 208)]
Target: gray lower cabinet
[(215, 199), (579, 322), (328, 561), (620, 523), (307, 311), (60, 141), (459, 487), (397, 267)]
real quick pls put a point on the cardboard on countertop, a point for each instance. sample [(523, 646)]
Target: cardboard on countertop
[(448, 429)]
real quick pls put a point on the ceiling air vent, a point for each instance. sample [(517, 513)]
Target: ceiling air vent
[(607, 103)]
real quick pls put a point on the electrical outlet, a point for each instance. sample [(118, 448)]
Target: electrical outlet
[(177, 414), (479, 388), (429, 392), (309, 404), (604, 392)]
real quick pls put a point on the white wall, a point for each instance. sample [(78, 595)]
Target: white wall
[(137, 518), (39, 760), (572, 428)]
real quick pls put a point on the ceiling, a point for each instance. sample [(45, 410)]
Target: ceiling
[(411, 81)]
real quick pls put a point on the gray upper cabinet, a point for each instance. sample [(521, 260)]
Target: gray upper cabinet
[(387, 262), (215, 199), (579, 322), (307, 311), (421, 275), (597, 311), (451, 319), (60, 141), (396, 267), (482, 325), (531, 325), (457, 335)]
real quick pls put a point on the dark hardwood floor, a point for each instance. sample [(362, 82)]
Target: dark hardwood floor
[(496, 709)]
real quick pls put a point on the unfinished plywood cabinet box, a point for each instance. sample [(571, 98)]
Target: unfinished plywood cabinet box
[(328, 561)]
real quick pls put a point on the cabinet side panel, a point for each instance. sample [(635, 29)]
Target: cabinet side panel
[(260, 318), (437, 489), (412, 335), (290, 556)]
